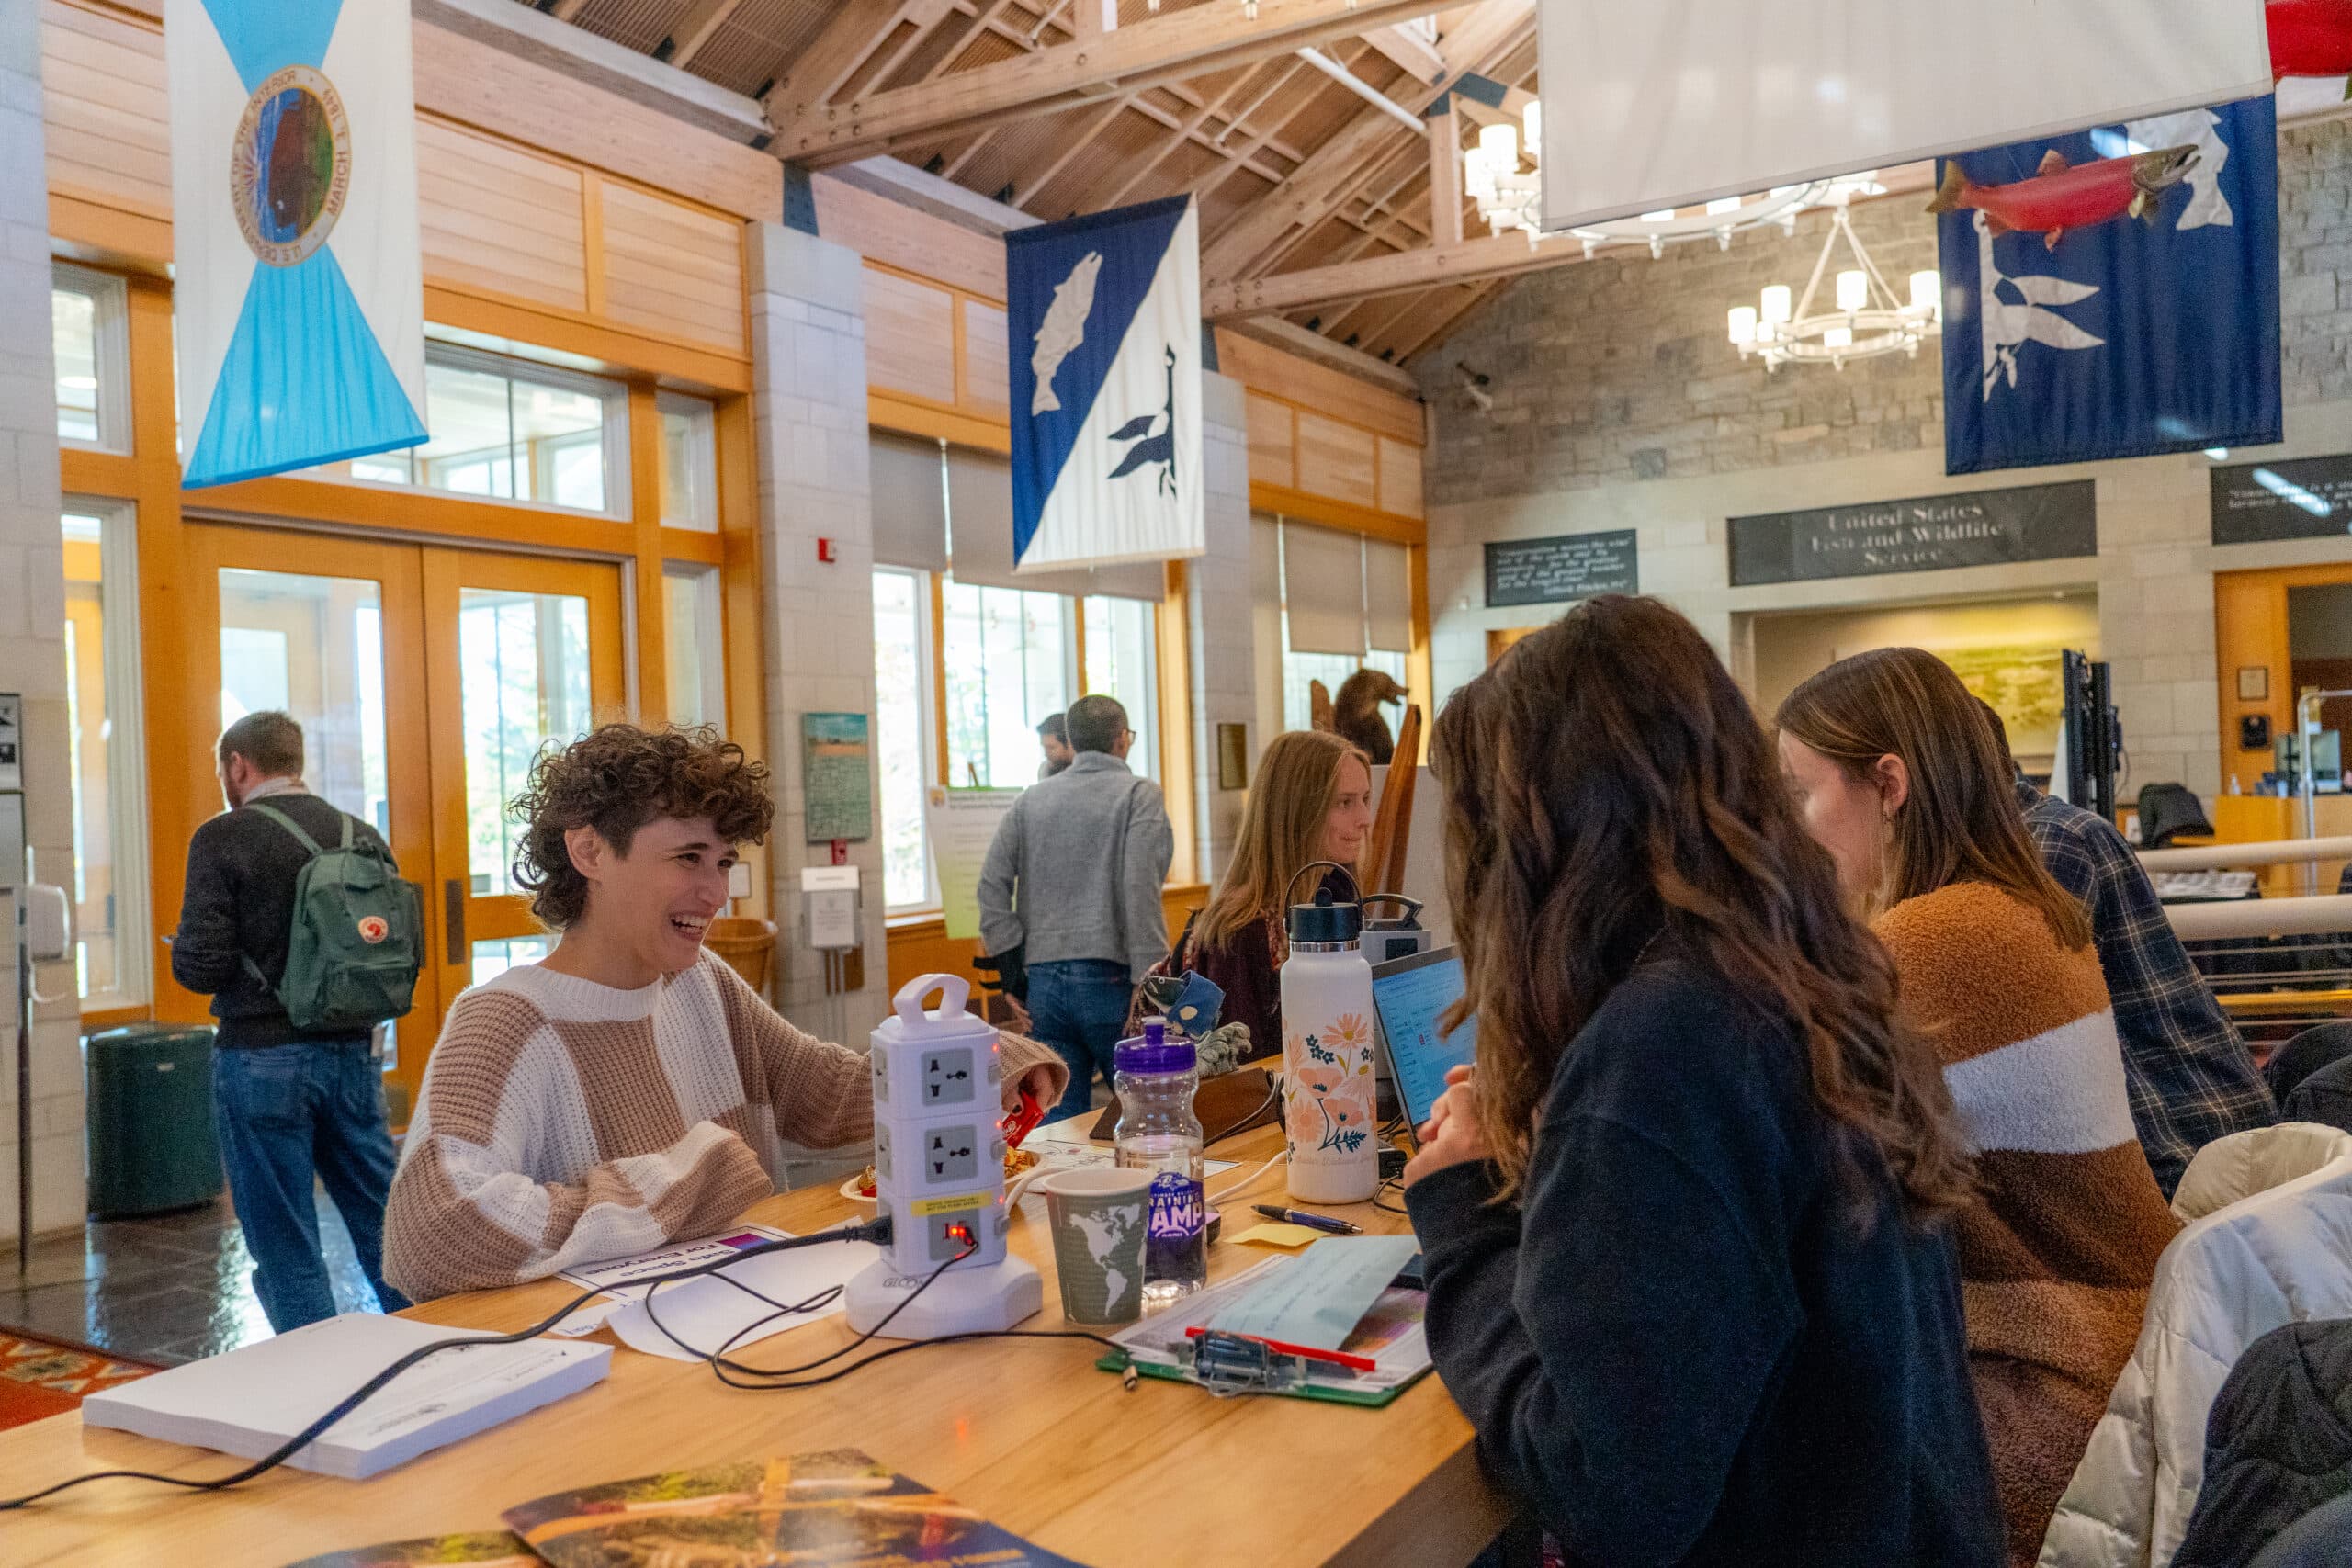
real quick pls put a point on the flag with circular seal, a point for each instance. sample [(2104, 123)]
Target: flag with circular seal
[(298, 289)]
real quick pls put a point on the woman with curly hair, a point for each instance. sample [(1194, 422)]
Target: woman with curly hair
[(1686, 1226), (629, 1088)]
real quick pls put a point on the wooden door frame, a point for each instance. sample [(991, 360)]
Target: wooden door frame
[(2250, 631)]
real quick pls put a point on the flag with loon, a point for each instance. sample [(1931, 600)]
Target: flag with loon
[(298, 292), (2112, 293), (1103, 322)]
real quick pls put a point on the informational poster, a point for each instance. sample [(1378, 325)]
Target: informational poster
[(1564, 568), (2292, 498), (961, 823), (836, 776)]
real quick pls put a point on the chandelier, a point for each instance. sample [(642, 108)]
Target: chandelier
[(1869, 320), (1510, 198)]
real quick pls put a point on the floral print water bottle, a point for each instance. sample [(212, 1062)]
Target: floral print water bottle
[(1328, 1080)]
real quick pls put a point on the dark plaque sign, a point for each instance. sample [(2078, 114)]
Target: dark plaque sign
[(1570, 566), (1929, 532), (2301, 498)]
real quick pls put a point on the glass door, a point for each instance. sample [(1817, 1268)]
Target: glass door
[(523, 651), (331, 631)]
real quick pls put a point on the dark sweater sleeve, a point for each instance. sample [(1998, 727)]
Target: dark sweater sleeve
[(204, 949), (1613, 1342)]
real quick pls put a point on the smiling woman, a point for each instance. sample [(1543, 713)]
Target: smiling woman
[(629, 1088)]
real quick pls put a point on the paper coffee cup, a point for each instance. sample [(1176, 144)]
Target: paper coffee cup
[(1098, 1217)]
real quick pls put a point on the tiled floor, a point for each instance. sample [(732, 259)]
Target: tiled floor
[(168, 1288)]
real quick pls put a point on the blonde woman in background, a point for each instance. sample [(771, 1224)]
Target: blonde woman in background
[(1312, 801)]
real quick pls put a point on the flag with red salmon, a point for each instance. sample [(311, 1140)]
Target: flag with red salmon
[(2112, 292)]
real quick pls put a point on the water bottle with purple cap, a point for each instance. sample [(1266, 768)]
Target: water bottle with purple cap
[(1156, 1077)]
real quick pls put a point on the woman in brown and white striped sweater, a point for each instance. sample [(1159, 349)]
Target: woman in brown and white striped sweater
[(630, 1089), (1901, 780)]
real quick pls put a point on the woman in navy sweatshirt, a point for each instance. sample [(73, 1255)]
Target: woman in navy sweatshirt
[(1689, 1271)]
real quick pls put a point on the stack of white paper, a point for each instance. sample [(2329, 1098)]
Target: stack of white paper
[(248, 1401)]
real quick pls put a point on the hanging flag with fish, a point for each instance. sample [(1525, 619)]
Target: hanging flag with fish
[(1103, 326), (2112, 293)]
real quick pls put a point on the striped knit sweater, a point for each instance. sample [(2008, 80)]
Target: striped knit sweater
[(2056, 1257), (563, 1121)]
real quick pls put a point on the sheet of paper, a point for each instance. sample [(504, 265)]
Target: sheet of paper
[(615, 1278), (1280, 1233), (697, 1317), (1390, 1333), (1069, 1155), (1320, 1298)]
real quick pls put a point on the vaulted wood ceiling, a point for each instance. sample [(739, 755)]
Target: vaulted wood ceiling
[(1293, 168)]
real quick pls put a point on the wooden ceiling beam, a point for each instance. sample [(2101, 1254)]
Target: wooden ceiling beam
[(1444, 322), (1323, 180), (1414, 54), (1144, 170), (564, 10), (1158, 52), (822, 68), (691, 31), (1500, 255)]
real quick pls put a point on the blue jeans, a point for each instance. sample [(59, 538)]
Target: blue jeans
[(285, 1114), (1080, 1008)]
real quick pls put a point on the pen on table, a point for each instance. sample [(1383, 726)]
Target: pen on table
[(1311, 1221)]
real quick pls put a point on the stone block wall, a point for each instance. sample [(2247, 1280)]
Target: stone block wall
[(1619, 403), (32, 636)]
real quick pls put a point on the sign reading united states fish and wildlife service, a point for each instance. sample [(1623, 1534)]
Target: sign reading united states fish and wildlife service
[(2112, 293), (1928, 532), (2298, 498), (1564, 567), (298, 289), (1103, 325)]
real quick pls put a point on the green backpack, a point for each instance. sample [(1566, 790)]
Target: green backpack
[(358, 941)]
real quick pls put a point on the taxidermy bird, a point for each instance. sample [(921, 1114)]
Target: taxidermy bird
[(1356, 717)]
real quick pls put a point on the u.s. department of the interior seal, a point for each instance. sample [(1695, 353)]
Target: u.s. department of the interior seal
[(291, 168)]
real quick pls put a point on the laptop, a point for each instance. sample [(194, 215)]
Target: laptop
[(1408, 995)]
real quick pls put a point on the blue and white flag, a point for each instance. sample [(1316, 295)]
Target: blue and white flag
[(2112, 293), (1104, 328), (298, 289)]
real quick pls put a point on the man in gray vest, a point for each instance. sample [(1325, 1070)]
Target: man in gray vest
[(289, 1107), (1072, 885)]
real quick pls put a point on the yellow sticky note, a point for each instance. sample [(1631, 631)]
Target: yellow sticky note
[(1280, 1234)]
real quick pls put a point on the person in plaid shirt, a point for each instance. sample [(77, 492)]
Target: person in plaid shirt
[(2192, 1077)]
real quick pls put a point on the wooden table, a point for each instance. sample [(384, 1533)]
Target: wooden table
[(1026, 1431)]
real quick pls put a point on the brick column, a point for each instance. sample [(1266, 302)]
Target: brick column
[(810, 424), (1224, 626), (32, 631)]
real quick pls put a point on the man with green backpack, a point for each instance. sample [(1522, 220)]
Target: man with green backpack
[(297, 923)]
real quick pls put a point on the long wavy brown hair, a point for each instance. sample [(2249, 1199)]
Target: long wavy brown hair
[(1282, 831), (1959, 820), (1606, 787)]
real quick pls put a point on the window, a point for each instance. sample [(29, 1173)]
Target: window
[(104, 759), (698, 669), (689, 463), (507, 430), (1009, 658), (86, 312), (1371, 603), (1123, 661), (902, 695)]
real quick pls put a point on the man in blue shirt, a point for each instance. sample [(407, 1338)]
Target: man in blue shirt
[(2192, 1077)]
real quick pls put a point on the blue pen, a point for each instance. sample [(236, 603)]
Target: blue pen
[(1311, 1221)]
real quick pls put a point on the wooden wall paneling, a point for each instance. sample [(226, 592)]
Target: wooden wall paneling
[(651, 603), (1273, 441), (910, 336), (481, 85), (988, 376), (670, 266), (742, 625), (1262, 367), (900, 236), (107, 119), (495, 216), (1400, 478), (1338, 461)]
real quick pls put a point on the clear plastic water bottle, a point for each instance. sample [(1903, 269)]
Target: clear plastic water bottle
[(1156, 1077)]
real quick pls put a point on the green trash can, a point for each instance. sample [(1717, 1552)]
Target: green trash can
[(152, 1148)]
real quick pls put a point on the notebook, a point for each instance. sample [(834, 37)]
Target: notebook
[(249, 1401)]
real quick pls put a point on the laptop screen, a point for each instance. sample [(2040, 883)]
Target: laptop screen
[(1411, 995)]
